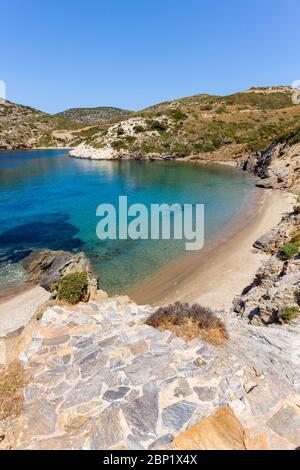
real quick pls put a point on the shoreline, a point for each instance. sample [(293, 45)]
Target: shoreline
[(216, 275), (212, 277), (29, 149), (219, 272), (17, 311), (14, 288)]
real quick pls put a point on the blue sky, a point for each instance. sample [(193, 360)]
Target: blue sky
[(134, 53)]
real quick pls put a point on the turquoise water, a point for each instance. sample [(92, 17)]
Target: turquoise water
[(48, 200)]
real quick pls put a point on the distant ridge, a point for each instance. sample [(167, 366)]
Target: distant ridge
[(91, 116), (26, 127), (23, 127)]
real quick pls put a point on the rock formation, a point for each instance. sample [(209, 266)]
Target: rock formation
[(48, 267), (277, 281), (278, 166)]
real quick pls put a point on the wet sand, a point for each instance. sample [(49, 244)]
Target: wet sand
[(228, 263)]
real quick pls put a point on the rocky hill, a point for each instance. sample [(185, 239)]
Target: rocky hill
[(91, 116), (26, 127), (221, 127), (278, 166)]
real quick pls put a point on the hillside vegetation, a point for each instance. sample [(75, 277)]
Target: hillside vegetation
[(26, 127), (226, 126), (91, 116)]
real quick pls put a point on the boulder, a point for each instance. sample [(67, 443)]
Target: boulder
[(47, 267), (271, 240)]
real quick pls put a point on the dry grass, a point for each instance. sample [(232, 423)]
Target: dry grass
[(204, 125), (189, 322), (12, 381)]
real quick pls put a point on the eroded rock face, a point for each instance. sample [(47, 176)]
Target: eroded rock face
[(277, 166), (48, 267), (273, 289), (271, 241), (276, 282)]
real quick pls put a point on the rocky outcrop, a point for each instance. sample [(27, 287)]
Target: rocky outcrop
[(277, 282), (48, 267), (271, 241), (114, 144), (278, 166)]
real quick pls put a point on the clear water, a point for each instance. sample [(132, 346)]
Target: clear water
[(48, 200)]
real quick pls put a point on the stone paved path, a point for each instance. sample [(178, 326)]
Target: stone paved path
[(102, 379)]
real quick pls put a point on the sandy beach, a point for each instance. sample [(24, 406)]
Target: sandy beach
[(212, 276), (215, 275), (17, 311)]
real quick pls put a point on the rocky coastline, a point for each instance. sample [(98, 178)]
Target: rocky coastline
[(98, 366)]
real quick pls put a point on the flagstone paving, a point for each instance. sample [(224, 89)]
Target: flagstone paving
[(102, 379)]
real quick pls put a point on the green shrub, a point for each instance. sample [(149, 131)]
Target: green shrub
[(138, 129), (177, 115), (120, 131), (72, 288), (295, 140), (289, 250), (289, 313), (118, 145), (207, 107), (98, 145), (157, 125), (181, 150), (205, 147), (149, 148), (221, 110), (130, 139)]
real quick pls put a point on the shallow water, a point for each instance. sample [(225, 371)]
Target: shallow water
[(48, 200)]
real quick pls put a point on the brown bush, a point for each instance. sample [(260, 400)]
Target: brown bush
[(12, 382), (189, 321)]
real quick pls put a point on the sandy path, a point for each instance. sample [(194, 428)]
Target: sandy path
[(215, 278), (18, 311)]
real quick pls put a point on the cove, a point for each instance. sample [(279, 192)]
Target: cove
[(48, 200)]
